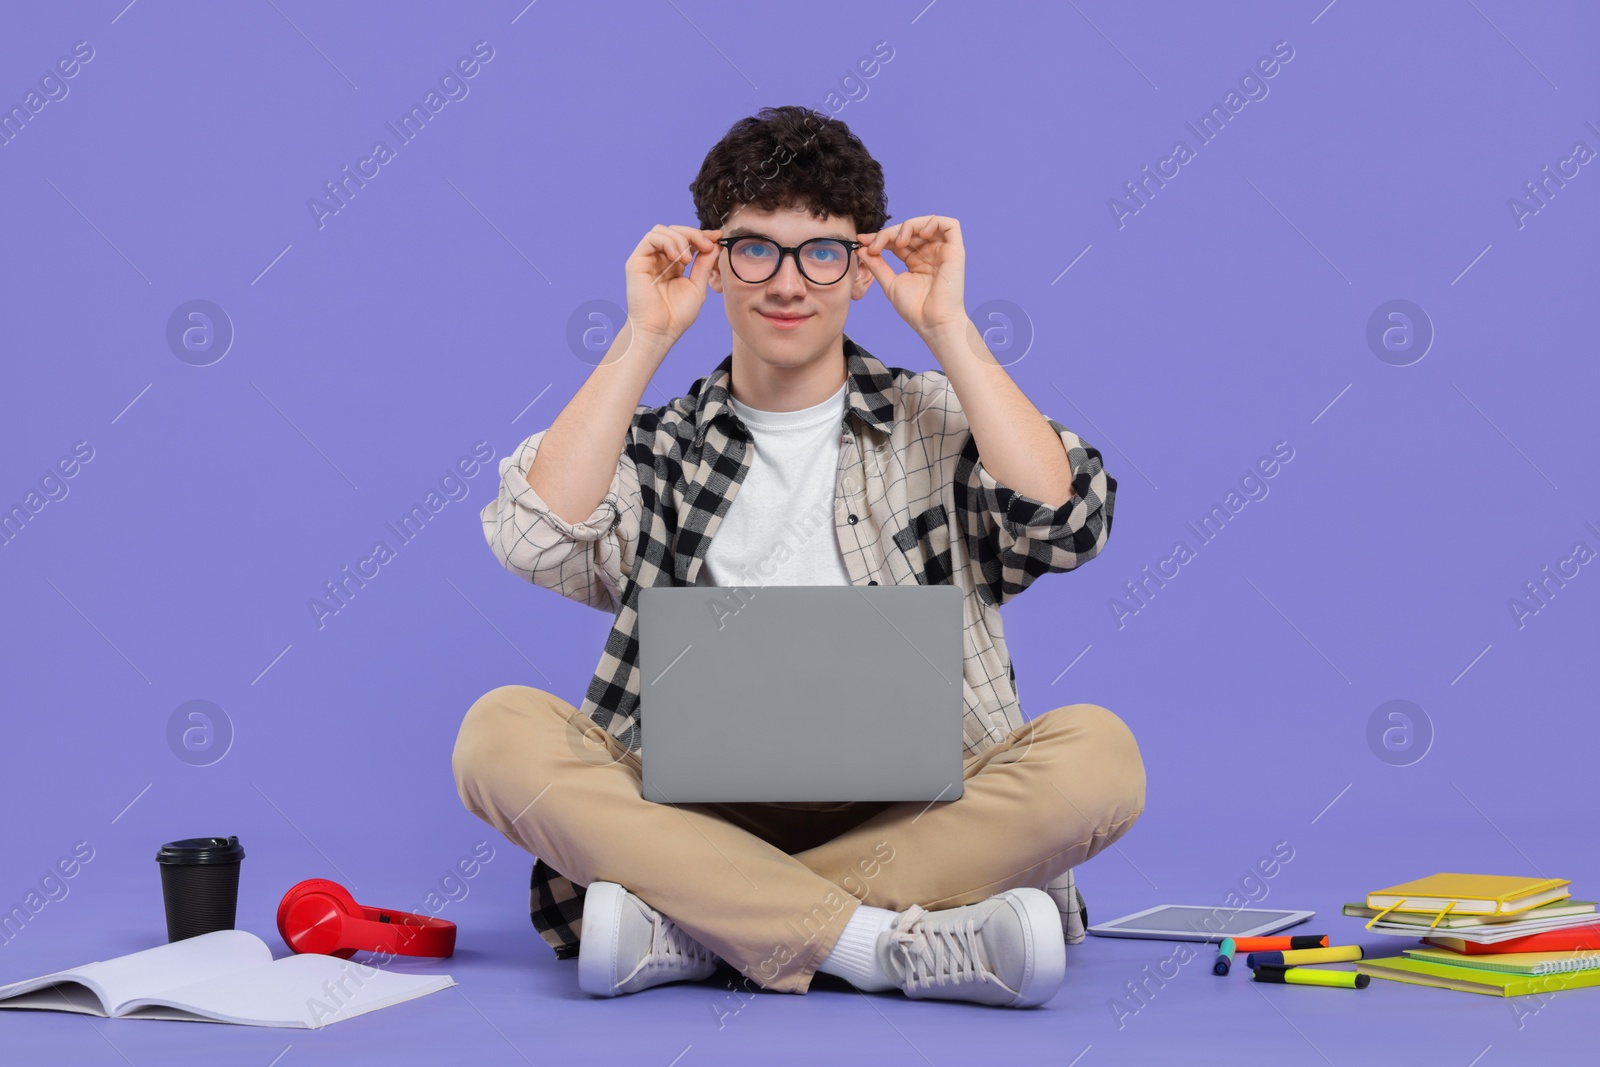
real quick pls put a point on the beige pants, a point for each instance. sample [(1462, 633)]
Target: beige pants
[(768, 887)]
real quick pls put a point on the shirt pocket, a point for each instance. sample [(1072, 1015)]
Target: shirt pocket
[(924, 543)]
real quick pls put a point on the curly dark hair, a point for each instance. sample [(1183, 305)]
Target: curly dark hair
[(791, 157)]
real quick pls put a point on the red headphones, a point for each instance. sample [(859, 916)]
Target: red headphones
[(317, 915)]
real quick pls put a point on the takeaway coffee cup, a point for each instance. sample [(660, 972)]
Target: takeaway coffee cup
[(200, 884)]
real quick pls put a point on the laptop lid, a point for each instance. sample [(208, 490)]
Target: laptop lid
[(801, 693)]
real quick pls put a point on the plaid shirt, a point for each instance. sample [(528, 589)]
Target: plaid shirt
[(913, 505)]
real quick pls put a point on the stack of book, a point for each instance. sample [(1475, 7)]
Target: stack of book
[(1498, 935)]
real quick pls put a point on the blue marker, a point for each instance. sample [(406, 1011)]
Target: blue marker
[(1224, 957)]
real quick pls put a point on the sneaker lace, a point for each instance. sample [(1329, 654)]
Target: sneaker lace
[(672, 948), (936, 953)]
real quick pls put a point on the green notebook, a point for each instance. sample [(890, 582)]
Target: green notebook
[(1474, 980), (1512, 962)]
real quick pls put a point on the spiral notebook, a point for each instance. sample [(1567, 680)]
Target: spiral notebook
[(1474, 979), (1512, 962)]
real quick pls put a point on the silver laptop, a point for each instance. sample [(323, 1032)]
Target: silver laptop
[(800, 693)]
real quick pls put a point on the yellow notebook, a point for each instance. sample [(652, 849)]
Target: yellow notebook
[(1472, 980), (1467, 894)]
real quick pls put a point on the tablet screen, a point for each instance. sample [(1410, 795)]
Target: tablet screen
[(1213, 922)]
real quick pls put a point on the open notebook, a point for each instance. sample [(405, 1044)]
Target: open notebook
[(227, 976)]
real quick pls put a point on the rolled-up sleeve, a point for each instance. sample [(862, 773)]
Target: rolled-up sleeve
[(1013, 538), (584, 561)]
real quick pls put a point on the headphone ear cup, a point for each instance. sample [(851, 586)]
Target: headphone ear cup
[(311, 917)]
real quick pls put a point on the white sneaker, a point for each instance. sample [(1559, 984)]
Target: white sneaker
[(626, 945), (1074, 912), (1006, 951)]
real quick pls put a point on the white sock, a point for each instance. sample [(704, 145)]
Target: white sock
[(855, 955)]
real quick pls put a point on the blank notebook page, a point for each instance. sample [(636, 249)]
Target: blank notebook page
[(181, 963), (308, 990)]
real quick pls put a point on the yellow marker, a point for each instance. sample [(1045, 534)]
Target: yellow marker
[(1336, 954), (1308, 976)]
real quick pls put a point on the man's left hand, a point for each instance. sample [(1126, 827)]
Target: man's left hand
[(929, 293)]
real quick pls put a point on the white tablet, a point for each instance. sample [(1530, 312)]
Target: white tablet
[(1182, 922)]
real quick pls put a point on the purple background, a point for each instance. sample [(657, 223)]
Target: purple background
[(430, 313)]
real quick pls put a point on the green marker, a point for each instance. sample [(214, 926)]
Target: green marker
[(1224, 957)]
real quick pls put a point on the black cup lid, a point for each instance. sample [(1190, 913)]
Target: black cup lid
[(201, 850)]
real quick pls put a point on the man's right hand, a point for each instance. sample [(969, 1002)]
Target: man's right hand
[(663, 301), (580, 453)]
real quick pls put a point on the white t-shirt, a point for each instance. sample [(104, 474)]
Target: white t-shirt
[(779, 528)]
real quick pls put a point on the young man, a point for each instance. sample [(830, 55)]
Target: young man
[(948, 476)]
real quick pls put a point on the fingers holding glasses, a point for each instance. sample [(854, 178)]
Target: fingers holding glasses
[(906, 238), (665, 250), (707, 250), (703, 244), (872, 243), (879, 267), (662, 301)]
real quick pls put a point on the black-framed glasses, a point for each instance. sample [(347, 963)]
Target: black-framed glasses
[(822, 260)]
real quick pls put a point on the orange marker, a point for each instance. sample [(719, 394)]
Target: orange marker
[(1279, 944)]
